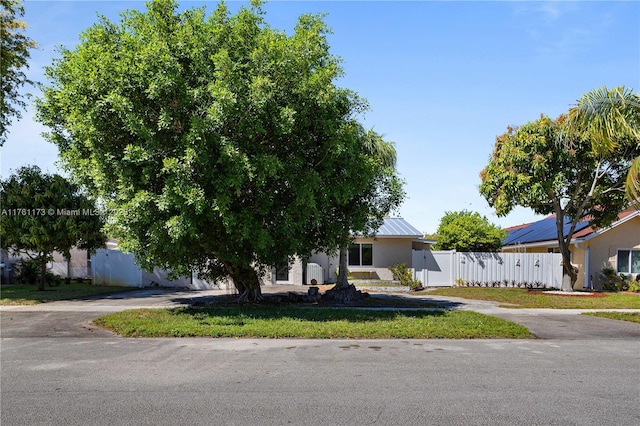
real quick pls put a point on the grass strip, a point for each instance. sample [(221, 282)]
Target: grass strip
[(29, 294), (309, 323), (523, 298), (622, 316)]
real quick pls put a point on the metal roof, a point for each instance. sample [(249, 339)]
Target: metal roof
[(543, 230), (397, 227)]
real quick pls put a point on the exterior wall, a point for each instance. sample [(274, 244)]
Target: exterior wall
[(542, 249), (604, 248), (295, 274), (386, 253), (77, 266), (578, 260)]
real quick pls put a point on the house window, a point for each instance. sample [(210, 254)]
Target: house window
[(282, 272), (629, 261), (361, 254)]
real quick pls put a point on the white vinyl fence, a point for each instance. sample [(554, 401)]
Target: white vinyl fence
[(113, 267), (447, 268)]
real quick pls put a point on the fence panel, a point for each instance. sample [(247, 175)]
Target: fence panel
[(112, 267), (434, 268), (445, 268)]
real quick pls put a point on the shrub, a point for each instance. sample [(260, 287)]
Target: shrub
[(27, 271), (611, 281), (402, 273), (634, 285)]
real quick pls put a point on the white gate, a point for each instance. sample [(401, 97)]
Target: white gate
[(434, 268), (445, 268)]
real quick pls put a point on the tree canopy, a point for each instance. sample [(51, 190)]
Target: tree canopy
[(529, 167), (14, 48), (221, 145), (468, 231), (44, 213)]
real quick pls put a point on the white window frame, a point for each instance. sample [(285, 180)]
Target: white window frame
[(628, 264)]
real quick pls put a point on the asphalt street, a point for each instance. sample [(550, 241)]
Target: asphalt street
[(58, 369)]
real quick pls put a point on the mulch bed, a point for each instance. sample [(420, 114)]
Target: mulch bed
[(575, 294)]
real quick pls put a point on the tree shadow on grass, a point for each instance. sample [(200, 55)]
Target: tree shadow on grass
[(314, 314)]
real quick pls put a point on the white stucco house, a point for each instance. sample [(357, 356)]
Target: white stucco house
[(368, 258)]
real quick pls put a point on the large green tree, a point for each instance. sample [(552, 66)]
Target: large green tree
[(612, 117), (44, 213), (468, 231), (374, 202), (14, 54), (221, 145), (530, 168)]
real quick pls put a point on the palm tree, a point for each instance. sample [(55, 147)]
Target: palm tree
[(612, 117)]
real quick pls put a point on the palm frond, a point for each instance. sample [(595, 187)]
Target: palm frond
[(632, 186), (384, 151), (608, 115)]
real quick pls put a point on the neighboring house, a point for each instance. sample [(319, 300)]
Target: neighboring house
[(78, 265), (371, 257), (617, 245)]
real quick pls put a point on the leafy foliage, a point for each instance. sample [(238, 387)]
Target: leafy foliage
[(402, 273), (530, 168), (611, 281), (15, 46), (468, 231), (221, 145), (45, 213)]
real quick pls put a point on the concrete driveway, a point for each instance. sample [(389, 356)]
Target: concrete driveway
[(57, 369)]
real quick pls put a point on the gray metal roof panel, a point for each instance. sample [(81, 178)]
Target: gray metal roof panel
[(397, 227)]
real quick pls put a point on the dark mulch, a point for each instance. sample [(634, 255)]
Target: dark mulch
[(574, 294)]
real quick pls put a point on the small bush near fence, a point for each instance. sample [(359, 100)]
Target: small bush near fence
[(611, 281), (536, 285), (402, 273), (27, 271)]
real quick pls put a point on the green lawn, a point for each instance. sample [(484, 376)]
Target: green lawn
[(522, 298), (315, 323), (29, 294), (623, 316)]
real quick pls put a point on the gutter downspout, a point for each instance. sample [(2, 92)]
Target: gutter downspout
[(587, 277)]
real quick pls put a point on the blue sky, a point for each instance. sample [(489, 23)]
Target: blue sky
[(442, 79)]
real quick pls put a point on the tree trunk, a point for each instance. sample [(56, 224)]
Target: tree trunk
[(343, 280), (43, 271), (246, 281), (343, 293), (569, 272)]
